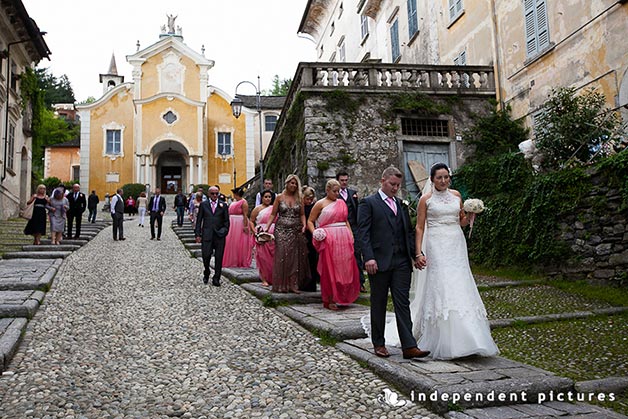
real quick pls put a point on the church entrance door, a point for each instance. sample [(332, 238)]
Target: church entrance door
[(171, 179)]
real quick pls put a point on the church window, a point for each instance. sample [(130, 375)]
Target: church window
[(224, 144), (114, 142), (270, 122), (169, 117)]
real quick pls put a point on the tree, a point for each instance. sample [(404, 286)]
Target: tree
[(56, 90), (280, 87), (576, 129)]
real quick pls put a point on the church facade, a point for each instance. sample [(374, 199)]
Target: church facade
[(166, 128)]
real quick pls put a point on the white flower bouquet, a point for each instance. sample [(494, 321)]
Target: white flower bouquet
[(472, 207), (475, 206), (319, 234)]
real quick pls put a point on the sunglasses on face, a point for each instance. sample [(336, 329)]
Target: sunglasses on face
[(213, 193)]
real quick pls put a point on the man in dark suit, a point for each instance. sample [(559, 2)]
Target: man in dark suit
[(77, 205), (387, 243), (212, 226), (156, 209), (350, 197)]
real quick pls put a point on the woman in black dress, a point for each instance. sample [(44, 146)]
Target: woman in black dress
[(36, 226)]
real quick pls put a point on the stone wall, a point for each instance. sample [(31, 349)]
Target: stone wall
[(598, 235)]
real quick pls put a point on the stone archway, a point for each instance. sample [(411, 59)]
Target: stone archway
[(24, 176), (170, 167)]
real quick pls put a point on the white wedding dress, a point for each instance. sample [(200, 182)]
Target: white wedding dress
[(448, 316)]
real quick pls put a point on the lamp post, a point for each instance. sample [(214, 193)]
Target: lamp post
[(236, 108)]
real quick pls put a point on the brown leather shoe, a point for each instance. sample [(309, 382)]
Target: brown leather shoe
[(381, 351), (414, 353)]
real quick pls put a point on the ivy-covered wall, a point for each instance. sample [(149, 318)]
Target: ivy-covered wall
[(326, 131)]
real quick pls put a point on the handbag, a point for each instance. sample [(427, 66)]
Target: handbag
[(27, 212)]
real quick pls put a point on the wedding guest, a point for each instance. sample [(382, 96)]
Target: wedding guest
[(92, 206), (142, 204), (130, 205), (309, 198), (264, 250), (180, 202), (117, 215), (268, 186), (340, 282), (350, 197), (78, 203), (450, 319), (238, 244), (36, 226), (290, 269), (58, 209), (156, 209), (212, 226), (195, 205)]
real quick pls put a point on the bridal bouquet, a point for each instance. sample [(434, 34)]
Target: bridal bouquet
[(319, 234), (472, 207)]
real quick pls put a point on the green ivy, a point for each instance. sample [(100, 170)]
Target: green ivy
[(419, 103)]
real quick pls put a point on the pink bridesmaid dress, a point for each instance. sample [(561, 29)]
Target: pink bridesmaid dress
[(238, 244)]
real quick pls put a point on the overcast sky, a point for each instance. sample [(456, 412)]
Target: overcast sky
[(245, 38)]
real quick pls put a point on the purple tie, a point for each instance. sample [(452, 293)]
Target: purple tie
[(213, 207), (391, 203), (343, 192), (156, 203)]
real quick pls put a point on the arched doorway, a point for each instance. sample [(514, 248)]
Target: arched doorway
[(170, 167), (24, 176)]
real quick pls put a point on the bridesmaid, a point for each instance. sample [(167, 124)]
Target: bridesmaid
[(238, 244), (340, 280), (264, 251), (290, 269)]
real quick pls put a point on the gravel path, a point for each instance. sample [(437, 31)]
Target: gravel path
[(130, 331)]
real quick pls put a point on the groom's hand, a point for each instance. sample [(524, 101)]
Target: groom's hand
[(371, 266)]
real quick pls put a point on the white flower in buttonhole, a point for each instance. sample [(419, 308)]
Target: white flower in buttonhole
[(472, 206)]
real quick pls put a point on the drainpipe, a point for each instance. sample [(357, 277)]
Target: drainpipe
[(498, 66)]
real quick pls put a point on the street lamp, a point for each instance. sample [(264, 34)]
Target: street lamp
[(236, 108)]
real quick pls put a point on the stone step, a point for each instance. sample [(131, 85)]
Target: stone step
[(73, 242), (36, 255), (193, 246), (51, 248), (20, 303)]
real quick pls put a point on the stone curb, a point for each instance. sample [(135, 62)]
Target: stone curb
[(617, 385), (313, 323), (36, 255), (505, 284), (495, 324), (10, 341)]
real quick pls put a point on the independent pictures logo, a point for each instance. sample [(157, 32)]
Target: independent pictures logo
[(390, 398)]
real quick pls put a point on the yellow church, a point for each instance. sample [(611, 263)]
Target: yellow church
[(166, 128)]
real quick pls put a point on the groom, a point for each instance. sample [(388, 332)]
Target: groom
[(387, 241)]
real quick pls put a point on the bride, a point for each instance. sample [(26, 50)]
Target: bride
[(448, 316)]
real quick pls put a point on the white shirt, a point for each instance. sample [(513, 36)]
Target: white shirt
[(112, 205)]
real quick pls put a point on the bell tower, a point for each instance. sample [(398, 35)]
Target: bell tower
[(111, 79)]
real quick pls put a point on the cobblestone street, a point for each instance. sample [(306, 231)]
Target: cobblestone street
[(128, 330)]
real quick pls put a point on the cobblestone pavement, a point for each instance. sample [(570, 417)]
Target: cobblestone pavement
[(130, 331)]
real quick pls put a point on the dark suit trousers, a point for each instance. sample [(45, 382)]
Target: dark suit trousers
[(397, 279), (118, 229), (217, 247), (156, 216), (71, 217)]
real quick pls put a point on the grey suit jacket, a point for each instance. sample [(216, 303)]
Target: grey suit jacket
[(211, 226)]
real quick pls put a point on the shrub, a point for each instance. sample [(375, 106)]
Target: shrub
[(133, 189)]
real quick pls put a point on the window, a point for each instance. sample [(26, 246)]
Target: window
[(364, 26), (169, 117), (76, 172), (270, 122), (320, 51), (455, 9), (394, 41), (13, 76), (461, 59), (425, 127), (341, 9), (224, 144), (537, 30), (333, 28), (342, 56), (413, 22), (11, 146), (114, 142)]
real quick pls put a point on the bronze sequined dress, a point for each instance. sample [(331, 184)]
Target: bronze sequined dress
[(291, 268)]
